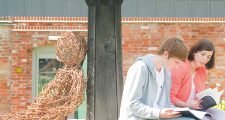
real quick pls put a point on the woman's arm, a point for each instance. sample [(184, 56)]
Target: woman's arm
[(180, 103), (176, 78)]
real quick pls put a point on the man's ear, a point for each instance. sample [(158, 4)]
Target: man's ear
[(166, 54)]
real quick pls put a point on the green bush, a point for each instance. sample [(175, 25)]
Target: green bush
[(221, 106)]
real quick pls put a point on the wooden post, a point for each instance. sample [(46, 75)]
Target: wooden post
[(104, 89)]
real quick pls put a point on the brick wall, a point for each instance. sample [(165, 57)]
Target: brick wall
[(20, 35), (140, 38), (5, 63)]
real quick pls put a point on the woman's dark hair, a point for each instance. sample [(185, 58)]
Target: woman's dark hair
[(201, 45)]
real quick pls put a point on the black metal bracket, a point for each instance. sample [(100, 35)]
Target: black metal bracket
[(104, 2)]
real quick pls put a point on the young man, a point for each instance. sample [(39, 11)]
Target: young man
[(146, 92)]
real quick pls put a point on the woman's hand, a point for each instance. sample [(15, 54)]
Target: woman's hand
[(194, 104), (168, 113)]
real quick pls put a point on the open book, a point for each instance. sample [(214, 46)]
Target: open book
[(187, 112), (210, 97)]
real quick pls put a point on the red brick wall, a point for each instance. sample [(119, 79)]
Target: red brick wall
[(17, 40), (144, 38), (139, 36), (5, 67)]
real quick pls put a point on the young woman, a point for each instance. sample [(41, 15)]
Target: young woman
[(189, 78)]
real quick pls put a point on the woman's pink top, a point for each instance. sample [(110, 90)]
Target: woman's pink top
[(182, 83)]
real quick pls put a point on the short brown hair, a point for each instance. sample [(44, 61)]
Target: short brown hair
[(201, 45), (175, 48)]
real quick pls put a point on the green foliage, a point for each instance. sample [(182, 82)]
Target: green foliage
[(221, 106)]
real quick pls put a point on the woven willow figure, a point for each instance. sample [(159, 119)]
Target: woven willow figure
[(71, 49), (61, 96)]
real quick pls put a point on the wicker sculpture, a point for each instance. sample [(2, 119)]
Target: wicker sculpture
[(65, 93)]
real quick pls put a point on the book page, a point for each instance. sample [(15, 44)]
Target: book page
[(195, 113), (210, 92), (181, 109), (198, 114), (204, 93)]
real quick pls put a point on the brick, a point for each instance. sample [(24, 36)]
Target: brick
[(138, 39)]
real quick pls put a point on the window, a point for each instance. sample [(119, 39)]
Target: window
[(45, 66)]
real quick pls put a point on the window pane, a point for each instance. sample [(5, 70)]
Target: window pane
[(47, 71)]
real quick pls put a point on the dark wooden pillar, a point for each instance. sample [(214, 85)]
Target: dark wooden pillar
[(105, 82)]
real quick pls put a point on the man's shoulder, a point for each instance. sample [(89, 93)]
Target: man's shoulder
[(140, 64)]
